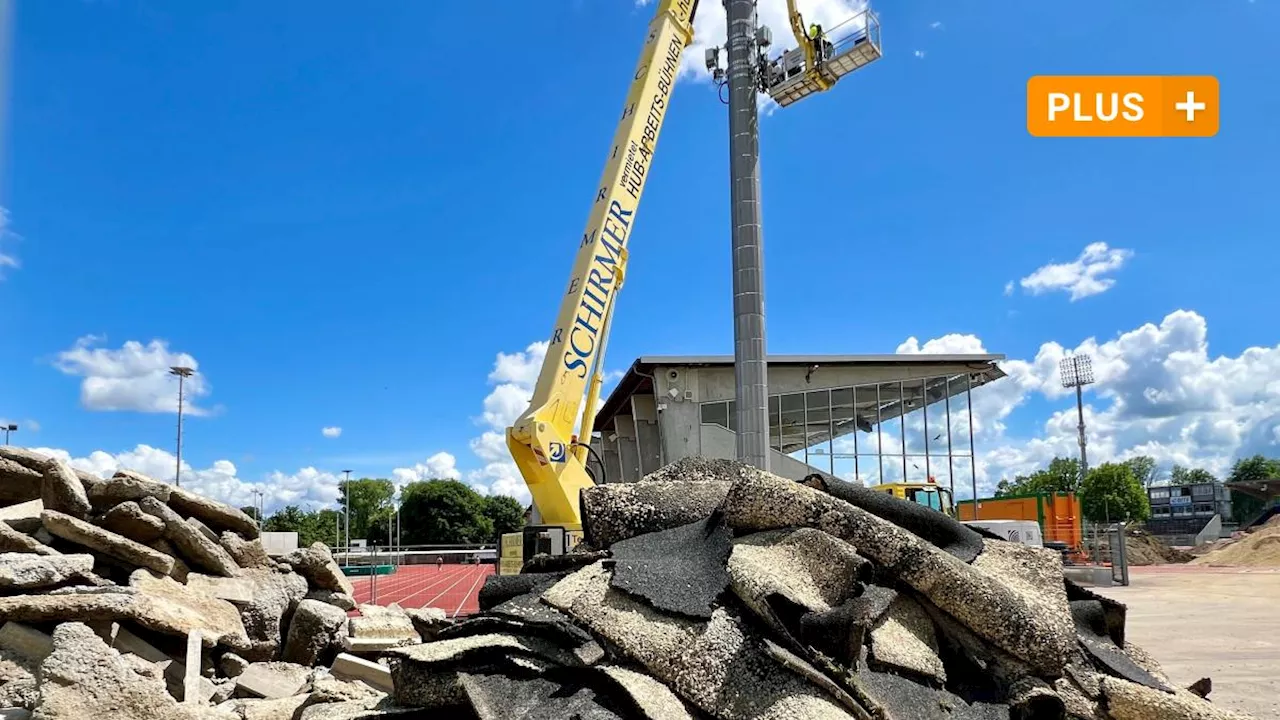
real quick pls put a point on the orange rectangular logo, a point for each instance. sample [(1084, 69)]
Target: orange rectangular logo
[(1122, 106)]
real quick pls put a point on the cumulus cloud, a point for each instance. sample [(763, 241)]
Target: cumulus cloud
[(8, 261), (331, 432), (307, 488), (134, 377), (1159, 392), (513, 376), (441, 466), (1085, 276)]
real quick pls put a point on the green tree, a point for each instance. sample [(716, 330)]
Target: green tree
[(505, 513), (443, 511), (250, 510), (370, 500), (288, 519), (1190, 476), (1144, 468), (1256, 469), (1244, 507), (1062, 475), (311, 526), (1111, 492)]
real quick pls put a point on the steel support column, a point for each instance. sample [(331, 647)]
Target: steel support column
[(750, 368)]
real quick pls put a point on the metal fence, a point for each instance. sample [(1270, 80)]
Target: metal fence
[(1103, 545)]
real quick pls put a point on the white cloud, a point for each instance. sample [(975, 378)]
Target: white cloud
[(331, 432), (919, 54), (1158, 392), (134, 377), (710, 27), (1082, 277), (936, 25), (7, 260), (1008, 288), (441, 466), (514, 375), (308, 488)]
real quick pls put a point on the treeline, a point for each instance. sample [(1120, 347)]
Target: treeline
[(1117, 491), (431, 512)]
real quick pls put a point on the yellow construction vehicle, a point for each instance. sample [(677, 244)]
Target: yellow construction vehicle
[(929, 494), (546, 442)]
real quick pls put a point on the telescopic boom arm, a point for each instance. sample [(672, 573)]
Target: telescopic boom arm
[(543, 442)]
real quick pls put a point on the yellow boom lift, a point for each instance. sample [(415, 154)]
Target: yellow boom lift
[(550, 442), (546, 442)]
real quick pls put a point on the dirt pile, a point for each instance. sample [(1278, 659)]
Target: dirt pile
[(1258, 546), (755, 597), (1142, 548), (143, 600)]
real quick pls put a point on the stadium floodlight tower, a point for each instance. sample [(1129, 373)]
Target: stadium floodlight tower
[(1077, 371), (819, 60)]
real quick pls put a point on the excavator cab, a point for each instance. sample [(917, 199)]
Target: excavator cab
[(928, 494)]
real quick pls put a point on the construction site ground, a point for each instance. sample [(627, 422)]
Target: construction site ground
[(1209, 621)]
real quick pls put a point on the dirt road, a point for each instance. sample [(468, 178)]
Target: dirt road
[(1217, 622)]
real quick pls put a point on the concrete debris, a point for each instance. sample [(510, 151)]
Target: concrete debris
[(213, 513), (246, 553), (129, 520), (314, 633), (197, 549), (25, 517), (339, 600), (831, 603), (18, 482), (130, 596), (353, 669), (24, 571), (106, 542), (232, 665), (238, 590), (273, 680), (267, 617), (318, 567), (63, 491), (127, 486), (83, 677)]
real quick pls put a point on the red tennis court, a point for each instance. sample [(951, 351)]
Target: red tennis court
[(455, 588)]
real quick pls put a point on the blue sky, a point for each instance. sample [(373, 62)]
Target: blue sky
[(342, 214)]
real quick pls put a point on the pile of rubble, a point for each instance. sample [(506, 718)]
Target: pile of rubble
[(718, 591), (144, 600)]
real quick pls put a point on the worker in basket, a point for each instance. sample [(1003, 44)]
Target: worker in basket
[(820, 43)]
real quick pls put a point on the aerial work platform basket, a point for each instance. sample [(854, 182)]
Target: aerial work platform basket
[(849, 46)]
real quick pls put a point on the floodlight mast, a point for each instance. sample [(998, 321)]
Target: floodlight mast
[(1077, 371), (819, 60)]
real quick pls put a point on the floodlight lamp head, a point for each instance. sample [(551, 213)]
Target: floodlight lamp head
[(1076, 370), (181, 371)]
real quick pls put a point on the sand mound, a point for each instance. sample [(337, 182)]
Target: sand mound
[(1144, 549), (1260, 548)]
